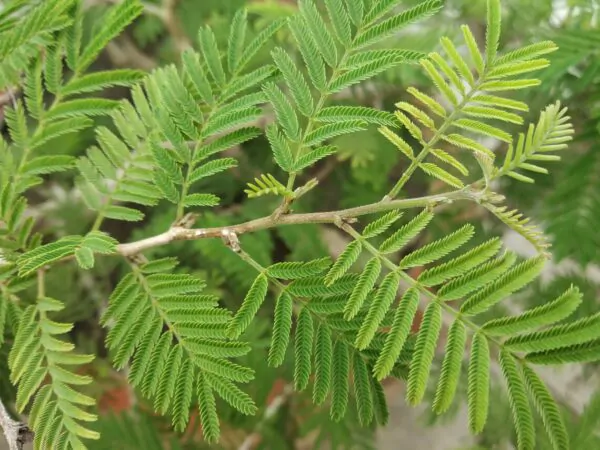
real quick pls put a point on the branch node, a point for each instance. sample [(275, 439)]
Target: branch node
[(231, 240), (186, 221), (340, 221)]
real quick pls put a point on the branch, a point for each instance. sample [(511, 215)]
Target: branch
[(17, 433), (178, 233)]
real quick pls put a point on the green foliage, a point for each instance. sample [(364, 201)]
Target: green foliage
[(344, 325), (37, 355), (572, 210), (154, 325), (267, 185)]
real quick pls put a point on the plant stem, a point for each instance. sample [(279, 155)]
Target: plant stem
[(271, 221)]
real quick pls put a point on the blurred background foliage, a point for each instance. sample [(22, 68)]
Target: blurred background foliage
[(566, 202)]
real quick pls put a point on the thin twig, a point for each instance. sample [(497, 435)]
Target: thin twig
[(17, 433), (271, 221)]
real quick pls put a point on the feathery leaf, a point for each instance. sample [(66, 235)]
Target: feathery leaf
[(403, 319), (478, 383), (519, 403), (546, 314), (449, 377)]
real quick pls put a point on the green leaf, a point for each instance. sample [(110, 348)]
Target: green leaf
[(382, 414), (59, 128), (334, 114), (82, 107), (33, 90), (476, 278), (528, 52), (518, 68), (312, 59), (48, 164), (85, 258), (323, 361), (362, 390), (381, 303), (280, 147), (340, 21), (397, 22), (546, 314), (473, 49), (492, 35), (315, 286), (420, 364), (200, 200), (237, 37), (492, 113), (519, 403), (450, 375), (382, 57), (118, 212), (365, 284), (339, 383), (513, 280), (361, 73), (212, 168), (501, 102), (577, 332), (478, 385), (196, 74), (509, 85), (284, 111), (250, 306), (208, 410), (267, 184), (403, 319), (233, 395), (379, 9), (228, 141), (319, 32), (457, 60), (381, 225), (548, 410), (47, 254), (406, 233), (461, 264), (303, 349), (294, 270), (53, 67), (439, 81), (258, 43), (580, 353), (438, 249), (295, 80), (282, 326), (100, 80), (428, 101), (355, 11), (160, 265), (332, 130), (113, 24), (244, 82), (469, 144), (208, 46), (313, 156), (343, 263)]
